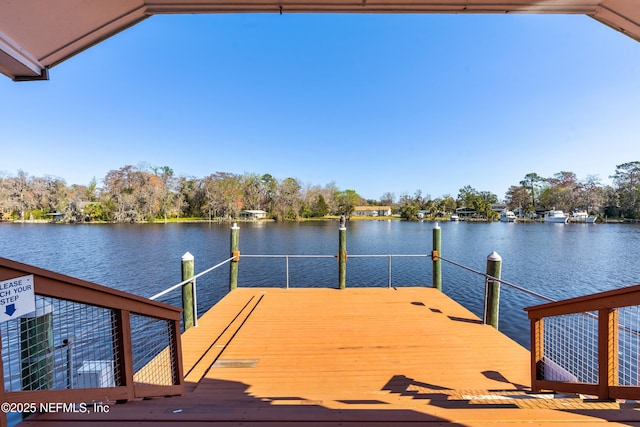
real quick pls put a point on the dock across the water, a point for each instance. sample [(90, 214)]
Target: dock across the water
[(357, 356)]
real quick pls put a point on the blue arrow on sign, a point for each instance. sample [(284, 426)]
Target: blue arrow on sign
[(11, 308)]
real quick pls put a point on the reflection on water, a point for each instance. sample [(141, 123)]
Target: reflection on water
[(556, 260)]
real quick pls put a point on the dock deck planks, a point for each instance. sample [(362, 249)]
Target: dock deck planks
[(357, 356)]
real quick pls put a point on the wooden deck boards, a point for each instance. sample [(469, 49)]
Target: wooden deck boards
[(357, 356)]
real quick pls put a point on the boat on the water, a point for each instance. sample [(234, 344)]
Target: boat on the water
[(454, 218), (556, 216), (582, 217), (507, 216)]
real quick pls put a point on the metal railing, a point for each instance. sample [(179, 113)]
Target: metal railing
[(388, 256), (192, 280), (488, 277), (491, 299), (87, 343), (588, 345)]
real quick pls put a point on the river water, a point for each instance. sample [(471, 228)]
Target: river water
[(556, 260)]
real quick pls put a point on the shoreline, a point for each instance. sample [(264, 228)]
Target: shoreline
[(325, 218)]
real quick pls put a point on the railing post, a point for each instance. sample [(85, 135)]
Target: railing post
[(36, 348), (437, 263), (121, 327), (176, 355), (235, 253), (492, 290), (342, 254), (607, 351), (537, 352), (187, 290)]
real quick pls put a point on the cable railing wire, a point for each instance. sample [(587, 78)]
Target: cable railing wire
[(488, 277), (309, 256), (287, 257), (191, 279), (495, 279)]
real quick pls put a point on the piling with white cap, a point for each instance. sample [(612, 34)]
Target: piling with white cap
[(492, 290), (188, 271), (235, 253), (435, 257), (342, 253)]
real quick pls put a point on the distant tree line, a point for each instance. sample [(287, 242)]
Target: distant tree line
[(143, 193), (149, 193)]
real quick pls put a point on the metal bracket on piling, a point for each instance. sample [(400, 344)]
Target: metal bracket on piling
[(434, 255), (236, 256)]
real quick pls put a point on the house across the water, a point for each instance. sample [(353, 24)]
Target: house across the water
[(372, 211), (253, 214)]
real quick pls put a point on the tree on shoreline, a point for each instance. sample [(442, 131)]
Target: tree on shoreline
[(347, 201), (531, 182), (627, 184), (481, 201)]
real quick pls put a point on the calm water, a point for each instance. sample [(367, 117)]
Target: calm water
[(556, 260)]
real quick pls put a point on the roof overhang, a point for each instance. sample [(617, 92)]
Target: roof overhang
[(38, 34)]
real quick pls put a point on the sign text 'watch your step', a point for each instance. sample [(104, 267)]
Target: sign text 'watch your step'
[(17, 297)]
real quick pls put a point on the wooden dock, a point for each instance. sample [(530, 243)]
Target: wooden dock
[(359, 356)]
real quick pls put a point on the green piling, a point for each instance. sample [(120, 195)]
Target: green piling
[(342, 255), (235, 253), (435, 258), (36, 349), (188, 269), (492, 291)]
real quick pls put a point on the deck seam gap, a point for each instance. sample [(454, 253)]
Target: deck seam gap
[(233, 336), (220, 336)]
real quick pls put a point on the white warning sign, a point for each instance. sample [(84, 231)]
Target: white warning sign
[(17, 298)]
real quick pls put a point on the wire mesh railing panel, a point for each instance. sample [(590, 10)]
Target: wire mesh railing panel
[(153, 351), (62, 345), (571, 348), (628, 346)]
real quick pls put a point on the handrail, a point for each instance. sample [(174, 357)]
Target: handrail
[(605, 338), (123, 310), (73, 289), (194, 305), (287, 257), (191, 279), (495, 279), (617, 298)]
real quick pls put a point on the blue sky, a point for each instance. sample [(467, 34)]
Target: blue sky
[(374, 103)]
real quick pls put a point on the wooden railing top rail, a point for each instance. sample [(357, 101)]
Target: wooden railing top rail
[(122, 305), (48, 283), (623, 297)]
